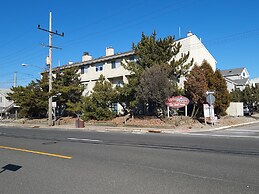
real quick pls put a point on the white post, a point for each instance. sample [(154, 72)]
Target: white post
[(168, 112), (186, 111), (15, 79)]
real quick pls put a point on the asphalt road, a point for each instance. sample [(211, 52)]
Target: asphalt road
[(48, 161), (247, 131)]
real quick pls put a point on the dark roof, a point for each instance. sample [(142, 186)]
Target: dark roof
[(98, 60), (232, 72), (240, 82)]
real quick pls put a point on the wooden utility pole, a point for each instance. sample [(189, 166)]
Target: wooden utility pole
[(50, 122)]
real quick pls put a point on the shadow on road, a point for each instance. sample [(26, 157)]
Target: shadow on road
[(10, 167)]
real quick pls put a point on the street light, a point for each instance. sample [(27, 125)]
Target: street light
[(25, 65)]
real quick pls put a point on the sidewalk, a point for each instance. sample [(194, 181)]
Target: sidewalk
[(129, 129)]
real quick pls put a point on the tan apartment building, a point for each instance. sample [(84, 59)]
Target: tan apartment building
[(111, 68)]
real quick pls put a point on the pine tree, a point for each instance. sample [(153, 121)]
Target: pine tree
[(67, 90), (98, 105), (150, 52), (32, 99), (196, 87), (217, 83), (236, 95), (210, 75), (222, 95)]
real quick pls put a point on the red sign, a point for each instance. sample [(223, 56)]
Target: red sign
[(177, 101)]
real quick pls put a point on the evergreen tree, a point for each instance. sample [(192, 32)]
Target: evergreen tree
[(217, 83), (67, 90), (32, 99), (98, 105), (196, 87), (249, 96), (222, 95), (236, 95), (210, 75), (150, 52)]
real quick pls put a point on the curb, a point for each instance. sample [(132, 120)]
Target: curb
[(236, 125), (139, 130)]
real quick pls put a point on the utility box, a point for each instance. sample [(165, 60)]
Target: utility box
[(235, 109), (80, 123)]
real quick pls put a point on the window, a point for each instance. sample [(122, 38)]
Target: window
[(113, 65), (84, 69), (132, 58), (119, 84), (98, 67), (114, 107), (244, 74), (1, 99)]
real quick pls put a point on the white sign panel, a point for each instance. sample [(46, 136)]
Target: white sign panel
[(54, 104), (208, 110)]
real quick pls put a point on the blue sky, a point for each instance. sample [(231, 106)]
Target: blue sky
[(228, 28)]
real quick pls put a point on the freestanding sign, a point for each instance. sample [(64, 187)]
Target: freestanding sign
[(210, 99), (177, 102)]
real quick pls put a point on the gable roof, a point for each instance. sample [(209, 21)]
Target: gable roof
[(232, 72), (98, 60), (241, 82), (4, 91)]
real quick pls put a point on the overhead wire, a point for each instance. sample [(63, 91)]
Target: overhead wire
[(158, 11), (25, 54)]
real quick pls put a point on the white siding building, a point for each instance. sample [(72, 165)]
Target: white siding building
[(198, 52), (110, 64), (4, 103), (236, 78), (254, 82)]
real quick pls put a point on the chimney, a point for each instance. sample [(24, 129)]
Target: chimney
[(189, 34), (86, 57), (109, 51)]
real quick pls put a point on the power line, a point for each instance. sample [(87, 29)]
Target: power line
[(172, 6)]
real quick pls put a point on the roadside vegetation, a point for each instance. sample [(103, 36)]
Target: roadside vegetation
[(249, 96), (154, 77)]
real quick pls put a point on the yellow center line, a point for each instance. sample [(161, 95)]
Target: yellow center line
[(36, 152)]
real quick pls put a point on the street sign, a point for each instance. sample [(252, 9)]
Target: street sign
[(208, 111), (210, 92), (54, 104), (177, 101), (210, 99)]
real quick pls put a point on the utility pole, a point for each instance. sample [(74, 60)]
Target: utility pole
[(15, 79), (50, 122)]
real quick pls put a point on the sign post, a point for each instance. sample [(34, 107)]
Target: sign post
[(210, 100)]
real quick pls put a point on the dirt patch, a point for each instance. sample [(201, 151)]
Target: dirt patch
[(176, 122)]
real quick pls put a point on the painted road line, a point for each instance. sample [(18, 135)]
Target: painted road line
[(36, 152), (78, 139)]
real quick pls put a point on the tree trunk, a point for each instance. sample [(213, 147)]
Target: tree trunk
[(196, 112), (193, 110)]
